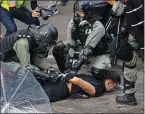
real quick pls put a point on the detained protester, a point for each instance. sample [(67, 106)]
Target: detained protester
[(30, 46), (130, 38), (87, 40), (11, 9), (81, 86)]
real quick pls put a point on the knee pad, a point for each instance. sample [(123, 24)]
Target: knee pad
[(59, 55), (128, 84), (59, 46)]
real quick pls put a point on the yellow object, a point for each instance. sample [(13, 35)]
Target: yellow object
[(5, 4)]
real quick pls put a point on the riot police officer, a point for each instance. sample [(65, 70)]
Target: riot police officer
[(87, 29), (31, 46), (132, 36)]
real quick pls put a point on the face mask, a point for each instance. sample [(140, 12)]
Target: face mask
[(77, 18)]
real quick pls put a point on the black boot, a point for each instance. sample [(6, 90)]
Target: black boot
[(128, 99)]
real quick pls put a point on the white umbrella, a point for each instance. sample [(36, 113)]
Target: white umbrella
[(20, 91)]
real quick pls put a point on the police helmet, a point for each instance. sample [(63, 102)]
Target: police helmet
[(46, 37), (90, 8), (82, 5)]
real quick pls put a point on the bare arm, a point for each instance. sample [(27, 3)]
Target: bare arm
[(87, 87)]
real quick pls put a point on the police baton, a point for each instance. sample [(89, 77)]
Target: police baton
[(116, 45)]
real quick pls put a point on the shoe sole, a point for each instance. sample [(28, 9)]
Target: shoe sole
[(132, 104), (55, 12)]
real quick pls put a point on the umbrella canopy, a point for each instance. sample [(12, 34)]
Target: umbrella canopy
[(20, 91)]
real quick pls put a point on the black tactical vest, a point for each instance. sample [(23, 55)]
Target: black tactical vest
[(101, 47)]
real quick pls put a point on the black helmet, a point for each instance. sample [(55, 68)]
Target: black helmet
[(47, 32), (46, 36), (92, 9), (82, 5)]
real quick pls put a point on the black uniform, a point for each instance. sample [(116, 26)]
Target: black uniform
[(59, 90), (135, 17)]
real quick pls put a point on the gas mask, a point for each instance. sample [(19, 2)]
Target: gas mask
[(77, 18), (81, 22)]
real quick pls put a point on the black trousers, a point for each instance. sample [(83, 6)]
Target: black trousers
[(55, 91), (134, 17)]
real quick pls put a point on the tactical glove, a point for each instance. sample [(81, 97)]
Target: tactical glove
[(70, 75)]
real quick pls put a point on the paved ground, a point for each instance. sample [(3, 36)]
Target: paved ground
[(103, 104)]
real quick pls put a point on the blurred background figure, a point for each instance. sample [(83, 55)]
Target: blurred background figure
[(11, 9), (64, 2), (52, 7)]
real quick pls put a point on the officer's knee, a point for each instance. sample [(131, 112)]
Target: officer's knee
[(20, 43)]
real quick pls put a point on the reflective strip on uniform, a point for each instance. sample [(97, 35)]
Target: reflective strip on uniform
[(138, 24), (134, 10)]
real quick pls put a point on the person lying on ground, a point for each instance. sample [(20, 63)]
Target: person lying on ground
[(80, 86)]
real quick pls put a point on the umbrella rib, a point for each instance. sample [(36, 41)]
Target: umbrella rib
[(3, 88), (18, 87), (24, 91), (33, 107), (21, 102)]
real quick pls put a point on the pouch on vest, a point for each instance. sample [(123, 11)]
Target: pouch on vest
[(123, 50)]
